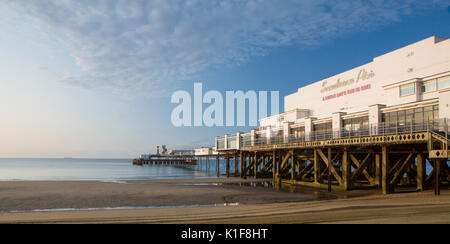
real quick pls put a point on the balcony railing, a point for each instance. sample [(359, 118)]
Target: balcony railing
[(231, 142), (440, 127)]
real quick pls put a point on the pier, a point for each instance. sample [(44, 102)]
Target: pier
[(384, 157), (166, 160), (204, 162)]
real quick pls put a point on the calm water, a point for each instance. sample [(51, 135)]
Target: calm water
[(14, 169)]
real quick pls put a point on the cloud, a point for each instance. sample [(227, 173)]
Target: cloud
[(151, 47)]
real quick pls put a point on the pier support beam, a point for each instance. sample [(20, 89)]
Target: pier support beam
[(378, 169), (316, 167), (330, 165), (255, 165), (437, 177), (292, 165), (421, 172), (236, 163), (385, 171), (241, 164), (228, 167), (346, 170), (274, 164), (217, 167)]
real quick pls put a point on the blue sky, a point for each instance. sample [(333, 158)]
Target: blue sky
[(94, 78)]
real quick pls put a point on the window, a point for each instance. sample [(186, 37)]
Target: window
[(356, 124), (444, 82), (409, 89), (298, 132), (401, 117), (409, 115), (428, 114), (428, 86), (417, 116), (392, 118), (326, 127), (323, 131), (436, 113)]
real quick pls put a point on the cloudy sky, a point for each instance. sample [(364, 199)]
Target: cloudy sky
[(94, 78)]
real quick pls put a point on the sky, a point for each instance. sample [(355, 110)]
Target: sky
[(94, 79)]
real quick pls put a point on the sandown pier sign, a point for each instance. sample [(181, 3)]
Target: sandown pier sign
[(363, 75)]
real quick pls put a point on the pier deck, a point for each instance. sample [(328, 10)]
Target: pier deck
[(176, 160), (387, 161)]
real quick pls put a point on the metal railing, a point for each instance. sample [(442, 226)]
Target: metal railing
[(439, 127), (373, 130), (231, 142), (221, 143)]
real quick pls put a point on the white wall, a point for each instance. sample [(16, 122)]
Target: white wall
[(444, 104), (412, 63)]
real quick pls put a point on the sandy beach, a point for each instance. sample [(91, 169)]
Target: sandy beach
[(209, 201)]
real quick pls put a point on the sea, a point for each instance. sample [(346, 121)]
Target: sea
[(113, 170), (74, 169)]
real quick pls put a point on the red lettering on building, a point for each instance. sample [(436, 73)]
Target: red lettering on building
[(347, 92)]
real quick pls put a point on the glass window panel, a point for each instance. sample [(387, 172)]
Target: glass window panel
[(444, 82), (401, 115), (428, 116), (365, 124), (429, 86), (409, 89), (348, 127), (436, 115), (393, 118), (409, 111), (323, 127), (418, 117), (409, 117)]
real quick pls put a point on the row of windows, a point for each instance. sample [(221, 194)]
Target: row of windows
[(298, 132), (319, 128), (322, 128), (409, 89), (404, 117), (427, 86), (416, 116), (356, 124)]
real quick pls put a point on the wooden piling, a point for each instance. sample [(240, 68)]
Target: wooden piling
[(217, 167), (274, 168), (330, 164), (228, 166), (292, 165), (385, 179), (346, 170), (316, 167), (378, 169), (241, 164), (421, 172), (236, 164), (437, 177)]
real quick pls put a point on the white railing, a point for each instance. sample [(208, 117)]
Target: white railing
[(440, 127)]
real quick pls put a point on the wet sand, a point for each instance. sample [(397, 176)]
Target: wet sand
[(256, 205), (39, 195)]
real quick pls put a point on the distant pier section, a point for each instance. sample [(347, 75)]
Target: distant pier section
[(174, 157), (175, 160)]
